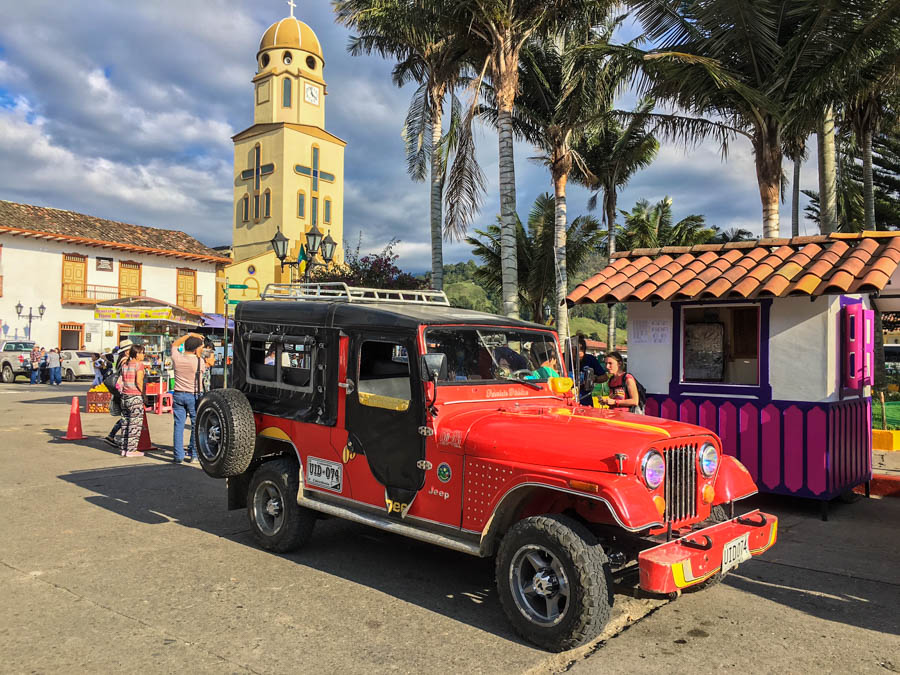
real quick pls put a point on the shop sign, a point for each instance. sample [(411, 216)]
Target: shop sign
[(132, 313), (104, 264)]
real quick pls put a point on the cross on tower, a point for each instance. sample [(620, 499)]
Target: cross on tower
[(256, 173), (316, 174), (291, 4)]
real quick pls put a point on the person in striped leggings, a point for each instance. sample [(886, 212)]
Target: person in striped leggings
[(132, 379)]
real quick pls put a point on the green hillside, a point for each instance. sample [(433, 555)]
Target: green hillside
[(594, 329)]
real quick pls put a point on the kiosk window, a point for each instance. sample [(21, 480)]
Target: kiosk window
[(384, 376), (721, 345)]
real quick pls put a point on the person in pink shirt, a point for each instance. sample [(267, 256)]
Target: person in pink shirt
[(189, 367), (131, 378)]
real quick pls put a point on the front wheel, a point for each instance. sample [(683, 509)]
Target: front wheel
[(278, 522), (7, 374), (70, 375), (554, 583)]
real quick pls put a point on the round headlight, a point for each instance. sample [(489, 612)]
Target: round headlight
[(653, 469), (709, 459)]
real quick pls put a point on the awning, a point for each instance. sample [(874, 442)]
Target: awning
[(216, 321)]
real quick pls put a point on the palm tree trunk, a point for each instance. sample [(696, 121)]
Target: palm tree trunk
[(868, 181), (437, 193), (768, 155), (611, 244), (508, 261), (828, 177), (795, 200), (559, 239)]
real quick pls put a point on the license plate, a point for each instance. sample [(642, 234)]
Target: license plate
[(735, 552), (324, 474)]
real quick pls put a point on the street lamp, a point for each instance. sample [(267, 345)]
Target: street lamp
[(31, 315), (314, 241)]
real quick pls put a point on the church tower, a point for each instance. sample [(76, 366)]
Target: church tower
[(288, 170)]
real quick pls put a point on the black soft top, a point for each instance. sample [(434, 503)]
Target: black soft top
[(341, 314)]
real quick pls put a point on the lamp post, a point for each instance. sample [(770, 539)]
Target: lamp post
[(31, 314), (314, 242)]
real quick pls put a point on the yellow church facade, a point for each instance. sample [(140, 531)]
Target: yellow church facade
[(288, 170)]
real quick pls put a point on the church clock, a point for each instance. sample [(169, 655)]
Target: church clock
[(312, 94)]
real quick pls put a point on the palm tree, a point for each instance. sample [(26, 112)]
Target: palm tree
[(555, 109), (536, 254), (501, 28), (732, 234), (650, 226), (612, 155), (758, 65), (417, 34)]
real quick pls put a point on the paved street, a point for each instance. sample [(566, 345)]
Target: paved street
[(113, 564)]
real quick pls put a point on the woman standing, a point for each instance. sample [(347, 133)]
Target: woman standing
[(132, 378), (623, 391)]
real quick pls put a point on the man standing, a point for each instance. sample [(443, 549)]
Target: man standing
[(53, 363), (189, 367)]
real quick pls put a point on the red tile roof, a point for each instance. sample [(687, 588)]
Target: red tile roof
[(802, 266), (54, 224)]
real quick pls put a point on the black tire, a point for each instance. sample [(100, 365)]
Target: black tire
[(549, 547), (717, 514), (70, 375), (279, 524), (8, 375), (226, 433)]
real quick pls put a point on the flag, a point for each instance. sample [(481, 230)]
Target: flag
[(302, 260)]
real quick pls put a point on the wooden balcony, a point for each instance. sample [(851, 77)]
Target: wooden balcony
[(192, 302), (91, 294)]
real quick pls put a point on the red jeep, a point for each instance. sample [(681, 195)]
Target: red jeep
[(395, 410)]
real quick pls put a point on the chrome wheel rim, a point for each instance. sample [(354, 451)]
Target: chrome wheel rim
[(539, 585), (268, 508), (209, 440)]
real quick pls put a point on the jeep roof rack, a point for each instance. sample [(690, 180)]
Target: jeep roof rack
[(337, 291)]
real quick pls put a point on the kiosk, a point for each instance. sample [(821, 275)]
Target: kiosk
[(768, 343)]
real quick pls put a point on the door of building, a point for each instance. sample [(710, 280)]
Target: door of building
[(187, 289), (71, 335), (74, 277), (129, 279)]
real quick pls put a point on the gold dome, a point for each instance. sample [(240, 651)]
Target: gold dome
[(291, 33)]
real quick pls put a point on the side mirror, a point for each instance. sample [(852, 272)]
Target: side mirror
[(434, 366)]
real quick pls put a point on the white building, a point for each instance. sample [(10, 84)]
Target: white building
[(68, 262)]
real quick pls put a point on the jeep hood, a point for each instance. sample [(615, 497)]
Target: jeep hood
[(565, 438)]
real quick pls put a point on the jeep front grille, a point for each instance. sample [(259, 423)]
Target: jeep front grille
[(681, 482)]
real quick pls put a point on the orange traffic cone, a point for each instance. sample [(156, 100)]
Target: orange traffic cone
[(145, 444), (74, 431)]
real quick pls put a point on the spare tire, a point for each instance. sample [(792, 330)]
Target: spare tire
[(226, 433)]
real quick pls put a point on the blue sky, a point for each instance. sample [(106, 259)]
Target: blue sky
[(125, 110)]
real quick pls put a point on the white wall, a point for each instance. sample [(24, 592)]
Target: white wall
[(802, 348), (32, 274), (650, 362)]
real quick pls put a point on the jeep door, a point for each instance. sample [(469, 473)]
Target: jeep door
[(384, 411)]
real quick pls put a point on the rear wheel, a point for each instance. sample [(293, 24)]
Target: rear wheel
[(70, 375), (553, 581), (7, 375), (278, 522)]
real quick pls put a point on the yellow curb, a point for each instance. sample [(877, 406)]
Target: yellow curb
[(885, 441)]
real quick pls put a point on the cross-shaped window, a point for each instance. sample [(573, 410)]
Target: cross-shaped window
[(316, 174), (256, 173)]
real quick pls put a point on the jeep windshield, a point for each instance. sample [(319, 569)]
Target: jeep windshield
[(486, 355)]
